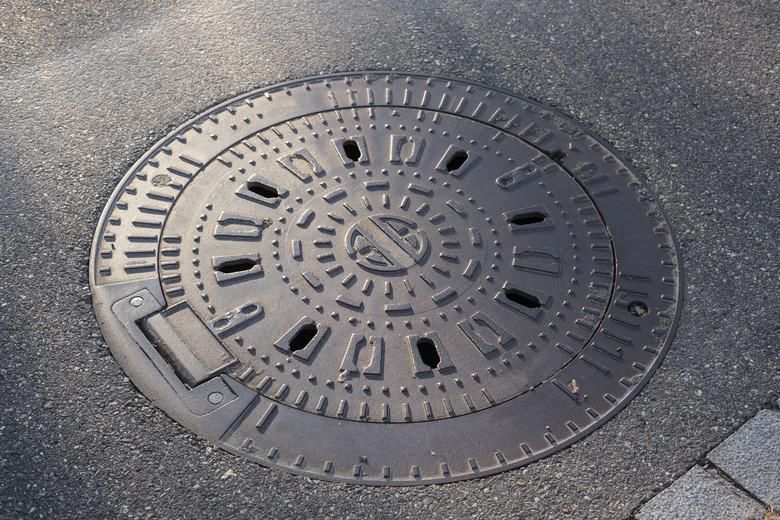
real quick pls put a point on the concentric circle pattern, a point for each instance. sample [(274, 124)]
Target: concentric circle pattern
[(386, 278)]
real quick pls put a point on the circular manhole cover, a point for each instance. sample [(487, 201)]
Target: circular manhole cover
[(386, 278)]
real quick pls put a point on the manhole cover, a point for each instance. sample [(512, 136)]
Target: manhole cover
[(385, 278)]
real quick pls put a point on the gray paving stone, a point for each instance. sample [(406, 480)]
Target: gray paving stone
[(751, 456), (700, 495)]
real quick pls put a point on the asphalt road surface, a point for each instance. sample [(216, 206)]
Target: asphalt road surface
[(688, 92)]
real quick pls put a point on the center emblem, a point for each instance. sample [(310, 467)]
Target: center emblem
[(386, 243)]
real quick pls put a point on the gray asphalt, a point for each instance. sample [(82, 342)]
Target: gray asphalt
[(689, 92)]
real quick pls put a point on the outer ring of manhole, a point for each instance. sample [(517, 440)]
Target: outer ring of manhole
[(275, 273)]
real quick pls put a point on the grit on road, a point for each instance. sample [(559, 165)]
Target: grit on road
[(689, 93)]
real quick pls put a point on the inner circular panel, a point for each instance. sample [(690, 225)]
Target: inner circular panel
[(397, 262)]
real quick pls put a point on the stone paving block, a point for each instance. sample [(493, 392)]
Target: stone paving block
[(700, 495), (751, 456)]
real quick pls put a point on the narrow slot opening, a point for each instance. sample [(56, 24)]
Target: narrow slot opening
[(265, 191), (522, 298), (303, 337), (352, 150), (428, 352), (523, 219), (457, 160), (236, 266)]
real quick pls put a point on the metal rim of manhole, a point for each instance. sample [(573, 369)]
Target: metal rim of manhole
[(386, 278)]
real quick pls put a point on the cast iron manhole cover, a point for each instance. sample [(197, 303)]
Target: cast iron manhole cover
[(386, 278)]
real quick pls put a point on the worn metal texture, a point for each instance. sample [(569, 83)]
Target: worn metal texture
[(386, 278)]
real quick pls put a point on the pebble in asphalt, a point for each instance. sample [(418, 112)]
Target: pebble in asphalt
[(689, 93)]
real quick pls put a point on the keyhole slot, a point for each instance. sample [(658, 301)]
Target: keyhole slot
[(351, 150), (525, 219), (456, 161), (303, 337), (237, 266), (263, 190), (428, 353), (522, 298)]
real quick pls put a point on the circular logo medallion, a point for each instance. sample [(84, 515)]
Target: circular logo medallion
[(386, 279), (386, 243)]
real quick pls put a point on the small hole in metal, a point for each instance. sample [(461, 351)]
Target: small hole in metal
[(236, 266), (524, 219), (457, 160), (352, 150), (428, 352), (523, 298), (638, 308), (265, 191), (303, 337)]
